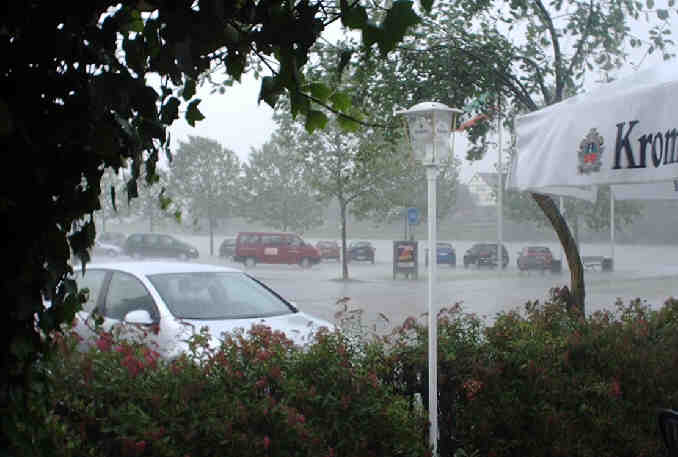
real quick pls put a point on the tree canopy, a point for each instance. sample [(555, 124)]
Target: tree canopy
[(204, 181), (275, 191)]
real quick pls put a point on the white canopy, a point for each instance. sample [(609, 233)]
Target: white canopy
[(622, 133), (665, 190)]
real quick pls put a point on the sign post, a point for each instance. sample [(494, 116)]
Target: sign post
[(413, 216)]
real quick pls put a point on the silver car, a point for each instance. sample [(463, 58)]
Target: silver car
[(167, 302)]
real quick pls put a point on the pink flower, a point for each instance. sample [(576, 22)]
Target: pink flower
[(133, 365), (263, 355), (104, 342), (472, 387), (267, 442)]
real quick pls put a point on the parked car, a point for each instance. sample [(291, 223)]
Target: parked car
[(534, 258), (328, 250), (445, 254), (274, 247), (361, 250), (116, 238), (485, 254), (141, 245), (178, 299), (101, 248), (227, 248)]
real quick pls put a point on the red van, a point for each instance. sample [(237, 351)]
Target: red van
[(274, 247)]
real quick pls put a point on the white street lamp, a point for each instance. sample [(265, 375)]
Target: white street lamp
[(430, 126)]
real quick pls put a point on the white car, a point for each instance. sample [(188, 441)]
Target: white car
[(177, 299)]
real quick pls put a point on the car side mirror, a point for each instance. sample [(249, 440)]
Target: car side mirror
[(138, 316), (294, 305)]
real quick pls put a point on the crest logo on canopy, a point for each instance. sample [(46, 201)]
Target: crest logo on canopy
[(590, 150)]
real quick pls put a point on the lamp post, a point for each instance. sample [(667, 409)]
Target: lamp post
[(430, 125)]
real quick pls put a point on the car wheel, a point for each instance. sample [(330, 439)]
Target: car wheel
[(305, 263), (250, 262)]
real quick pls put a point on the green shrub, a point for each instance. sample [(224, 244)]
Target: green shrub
[(546, 382), (255, 395), (541, 382)]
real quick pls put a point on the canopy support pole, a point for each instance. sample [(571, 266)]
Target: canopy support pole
[(612, 225)]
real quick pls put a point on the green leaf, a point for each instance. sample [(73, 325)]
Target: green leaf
[(134, 22), (113, 201), (427, 5), (170, 111), (662, 14), (372, 34), (270, 91), (315, 120), (352, 16), (134, 54), (340, 101), (650, 4), (320, 91), (347, 124), (235, 64), (189, 89), (344, 59), (399, 18), (193, 114), (299, 104), (6, 122), (163, 200)]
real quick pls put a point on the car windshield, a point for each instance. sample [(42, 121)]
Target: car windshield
[(217, 295)]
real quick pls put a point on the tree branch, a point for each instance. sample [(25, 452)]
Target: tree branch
[(579, 48), (557, 54), (540, 80)]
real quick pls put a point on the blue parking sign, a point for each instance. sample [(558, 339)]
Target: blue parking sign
[(413, 216)]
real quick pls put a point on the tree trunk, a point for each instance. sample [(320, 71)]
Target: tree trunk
[(150, 217), (577, 292), (344, 263)]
